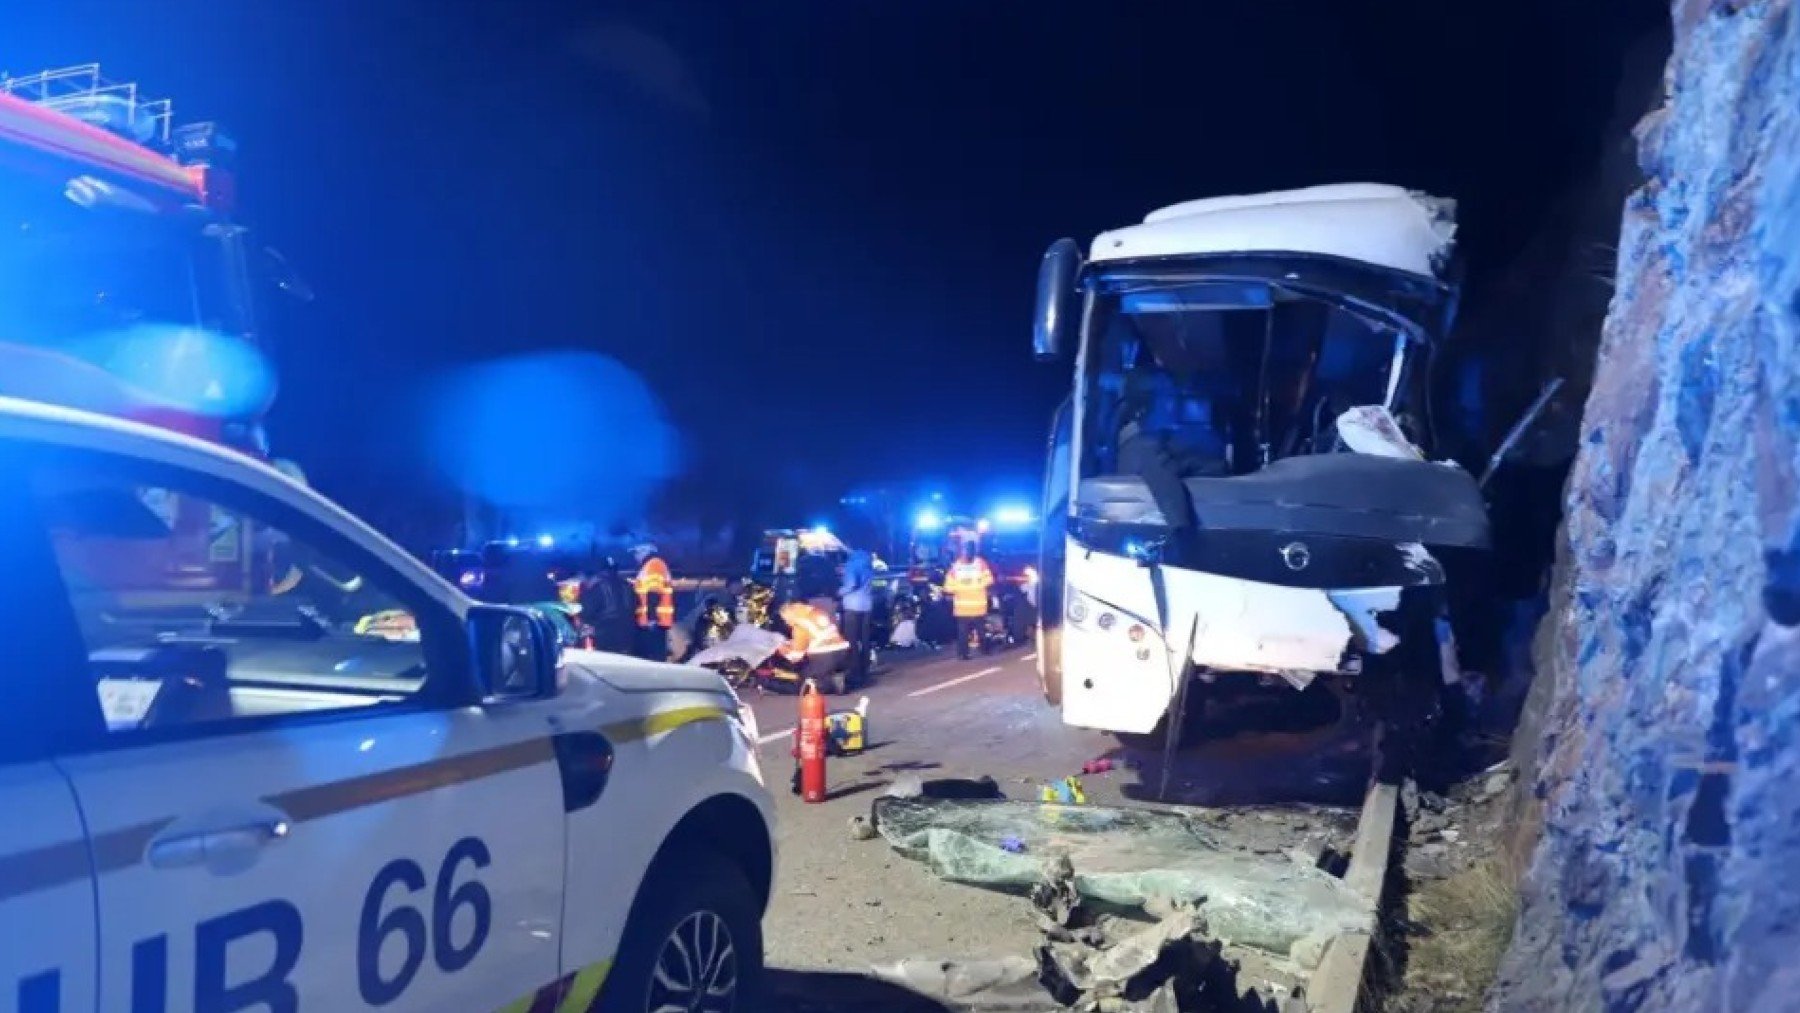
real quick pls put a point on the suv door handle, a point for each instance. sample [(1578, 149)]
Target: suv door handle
[(222, 848)]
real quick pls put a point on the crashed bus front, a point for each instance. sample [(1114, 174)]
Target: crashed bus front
[(1241, 488)]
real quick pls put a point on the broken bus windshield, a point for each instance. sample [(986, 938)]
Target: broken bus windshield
[(1230, 377)]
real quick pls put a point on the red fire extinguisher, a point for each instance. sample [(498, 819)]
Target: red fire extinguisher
[(812, 743)]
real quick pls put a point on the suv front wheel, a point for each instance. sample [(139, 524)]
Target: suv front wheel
[(694, 941)]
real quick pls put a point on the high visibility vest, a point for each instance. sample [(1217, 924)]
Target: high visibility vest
[(654, 579), (967, 583), (811, 632)]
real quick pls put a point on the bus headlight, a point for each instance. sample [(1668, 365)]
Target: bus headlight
[(1078, 610)]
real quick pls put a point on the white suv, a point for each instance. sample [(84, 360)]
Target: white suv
[(254, 757)]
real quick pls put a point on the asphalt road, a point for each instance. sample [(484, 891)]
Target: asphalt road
[(843, 905)]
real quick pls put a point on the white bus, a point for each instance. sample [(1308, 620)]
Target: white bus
[(1210, 523)]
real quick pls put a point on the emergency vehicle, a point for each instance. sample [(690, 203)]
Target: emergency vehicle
[(126, 285), (1008, 541), (811, 560), (356, 793)]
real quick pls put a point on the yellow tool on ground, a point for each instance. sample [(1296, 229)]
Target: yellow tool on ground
[(847, 732)]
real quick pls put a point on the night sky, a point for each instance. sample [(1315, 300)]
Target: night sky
[(812, 228)]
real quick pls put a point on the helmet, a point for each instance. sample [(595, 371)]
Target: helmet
[(643, 551)]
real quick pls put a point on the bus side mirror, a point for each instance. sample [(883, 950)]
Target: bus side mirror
[(1053, 330)]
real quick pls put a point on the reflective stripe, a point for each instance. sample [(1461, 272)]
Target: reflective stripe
[(585, 989), (656, 724), (571, 993)]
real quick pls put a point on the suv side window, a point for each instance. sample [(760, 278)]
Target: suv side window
[(203, 607)]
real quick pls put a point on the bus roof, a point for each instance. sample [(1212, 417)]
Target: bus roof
[(1387, 226)]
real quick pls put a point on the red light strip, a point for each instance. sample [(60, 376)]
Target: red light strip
[(50, 131)]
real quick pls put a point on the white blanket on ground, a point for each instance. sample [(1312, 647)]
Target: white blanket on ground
[(750, 644)]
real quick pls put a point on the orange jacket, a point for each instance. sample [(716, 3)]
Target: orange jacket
[(810, 632), (967, 582), (653, 578)]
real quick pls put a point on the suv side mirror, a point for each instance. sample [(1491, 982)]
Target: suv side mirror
[(1052, 332), (514, 653)]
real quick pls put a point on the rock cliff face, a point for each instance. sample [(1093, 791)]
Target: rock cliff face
[(1668, 874)]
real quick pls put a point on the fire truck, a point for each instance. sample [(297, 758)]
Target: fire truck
[(127, 287)]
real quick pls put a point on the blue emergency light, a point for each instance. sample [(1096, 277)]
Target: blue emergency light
[(1013, 516)]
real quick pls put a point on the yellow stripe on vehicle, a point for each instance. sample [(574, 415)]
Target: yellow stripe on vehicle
[(653, 725), (585, 989)]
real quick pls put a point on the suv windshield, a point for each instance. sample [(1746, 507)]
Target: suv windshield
[(1231, 380)]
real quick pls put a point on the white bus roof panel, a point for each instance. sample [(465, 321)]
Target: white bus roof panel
[(1378, 224)]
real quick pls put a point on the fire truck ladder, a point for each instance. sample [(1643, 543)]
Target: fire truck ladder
[(81, 93)]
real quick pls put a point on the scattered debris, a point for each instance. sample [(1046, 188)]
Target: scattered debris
[(861, 829), (1067, 791), (1107, 764), (1449, 834), (948, 788), (1089, 962), (1494, 785), (961, 979), (1257, 894)]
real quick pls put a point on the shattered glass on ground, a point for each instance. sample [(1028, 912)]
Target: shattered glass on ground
[(1133, 860)]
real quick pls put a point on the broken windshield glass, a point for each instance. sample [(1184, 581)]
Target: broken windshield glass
[(1227, 378)]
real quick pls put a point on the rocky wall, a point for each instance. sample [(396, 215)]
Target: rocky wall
[(1668, 768)]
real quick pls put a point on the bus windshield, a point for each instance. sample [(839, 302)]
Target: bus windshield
[(1227, 385)]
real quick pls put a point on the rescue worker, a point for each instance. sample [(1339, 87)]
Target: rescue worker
[(857, 599), (815, 649), (967, 582), (606, 609), (653, 581)]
